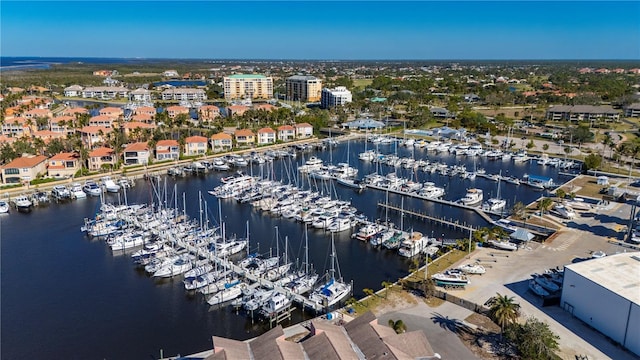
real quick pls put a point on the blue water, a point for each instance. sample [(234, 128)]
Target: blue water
[(67, 296)]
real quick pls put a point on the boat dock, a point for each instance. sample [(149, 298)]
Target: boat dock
[(480, 212), (455, 224)]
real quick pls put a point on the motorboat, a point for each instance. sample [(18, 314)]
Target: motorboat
[(257, 298), (91, 188), (340, 224), (77, 192), (60, 192), (220, 165), (503, 245), (4, 207), (473, 197), (494, 204), (472, 269), (414, 245), (430, 190), (109, 184), (367, 232), (352, 183), (450, 278), (546, 283), (276, 304), (598, 254), (564, 211), (22, 203), (537, 289), (505, 224)]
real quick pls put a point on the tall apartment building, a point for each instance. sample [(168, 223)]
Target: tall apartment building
[(252, 86), (335, 97), (303, 88)]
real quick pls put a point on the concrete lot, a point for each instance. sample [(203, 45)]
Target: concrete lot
[(508, 274)]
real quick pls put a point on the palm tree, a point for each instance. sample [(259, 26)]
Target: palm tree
[(387, 285), (519, 210), (544, 205), (398, 326), (503, 310)]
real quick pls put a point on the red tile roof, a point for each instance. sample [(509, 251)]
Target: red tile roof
[(138, 146), (243, 132), (167, 143), (195, 139), (137, 124), (303, 125), (101, 151), (285, 127), (266, 130), (95, 129), (25, 162), (221, 136)]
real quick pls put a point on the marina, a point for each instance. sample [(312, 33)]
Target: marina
[(175, 309)]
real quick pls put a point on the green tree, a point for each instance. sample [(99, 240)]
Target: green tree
[(368, 292), (545, 147), (519, 210), (531, 144), (503, 310), (560, 194), (592, 161), (398, 326), (544, 205), (534, 340), (386, 285)]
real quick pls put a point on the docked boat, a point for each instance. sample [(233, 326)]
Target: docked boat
[(472, 269), (367, 232), (505, 224), (334, 290), (91, 188), (494, 204), (352, 183), (276, 304), (414, 245), (503, 245), (77, 192), (450, 278), (546, 283), (22, 203), (4, 207), (230, 292), (110, 185), (473, 197), (537, 289), (181, 265), (430, 190), (60, 193)]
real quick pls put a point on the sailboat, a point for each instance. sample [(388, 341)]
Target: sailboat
[(307, 279), (496, 203), (333, 290)]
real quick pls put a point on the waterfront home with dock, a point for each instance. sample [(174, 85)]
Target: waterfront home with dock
[(25, 168), (137, 154), (221, 142), (101, 156), (286, 133), (244, 137), (93, 135), (195, 145), (167, 150), (63, 165), (266, 136)]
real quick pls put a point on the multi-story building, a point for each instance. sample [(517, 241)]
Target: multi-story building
[(173, 111), (184, 94), (195, 145), (221, 141), (24, 168), (335, 97), (101, 156), (632, 110), (266, 136), (303, 130), (93, 135), (73, 90), (105, 92), (167, 150), (582, 113), (286, 133), (208, 113), (140, 95), (244, 137), (251, 86), (137, 154), (303, 88), (63, 165)]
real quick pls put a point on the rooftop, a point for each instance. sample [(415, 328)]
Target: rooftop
[(624, 268), (247, 76)]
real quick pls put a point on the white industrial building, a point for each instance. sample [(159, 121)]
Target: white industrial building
[(605, 294), (339, 96)]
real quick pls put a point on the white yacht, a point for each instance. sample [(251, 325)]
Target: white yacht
[(60, 192), (91, 188), (4, 207), (503, 245), (22, 203), (494, 204), (473, 269), (450, 278), (565, 211), (430, 190), (473, 197), (414, 245), (109, 184), (276, 303), (76, 191)]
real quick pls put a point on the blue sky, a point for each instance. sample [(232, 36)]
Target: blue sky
[(322, 30)]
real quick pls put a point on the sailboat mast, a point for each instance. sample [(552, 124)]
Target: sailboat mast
[(333, 257), (306, 249)]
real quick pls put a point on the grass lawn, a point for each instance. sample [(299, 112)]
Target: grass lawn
[(362, 83)]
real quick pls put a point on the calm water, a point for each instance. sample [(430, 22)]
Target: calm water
[(67, 296)]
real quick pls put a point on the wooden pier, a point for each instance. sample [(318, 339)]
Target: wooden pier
[(455, 224)]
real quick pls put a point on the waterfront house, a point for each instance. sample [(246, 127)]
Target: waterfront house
[(244, 137), (266, 136), (303, 130), (91, 136), (167, 150), (286, 133), (25, 168), (236, 110), (73, 91), (101, 157), (147, 110), (221, 142), (195, 145), (208, 113), (64, 164), (175, 110), (74, 111), (137, 154), (113, 112)]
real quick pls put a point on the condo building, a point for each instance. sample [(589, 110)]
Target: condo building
[(335, 97), (303, 88), (248, 86)]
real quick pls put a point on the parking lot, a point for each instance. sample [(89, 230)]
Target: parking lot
[(509, 272)]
